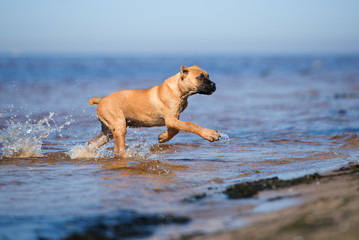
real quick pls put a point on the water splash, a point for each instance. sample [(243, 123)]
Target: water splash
[(138, 146), (141, 145), (225, 139), (135, 150), (84, 152), (25, 139)]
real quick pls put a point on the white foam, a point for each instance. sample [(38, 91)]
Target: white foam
[(81, 151), (86, 152)]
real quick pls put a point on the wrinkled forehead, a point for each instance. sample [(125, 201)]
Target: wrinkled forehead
[(196, 72)]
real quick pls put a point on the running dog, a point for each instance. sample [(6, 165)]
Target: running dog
[(156, 106)]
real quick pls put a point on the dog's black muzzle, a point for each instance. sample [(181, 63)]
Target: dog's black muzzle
[(208, 88)]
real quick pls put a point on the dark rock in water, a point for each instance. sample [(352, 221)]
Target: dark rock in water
[(243, 190), (194, 198), (250, 189), (352, 168), (127, 224)]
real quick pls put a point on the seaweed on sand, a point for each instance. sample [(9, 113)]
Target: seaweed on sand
[(250, 189)]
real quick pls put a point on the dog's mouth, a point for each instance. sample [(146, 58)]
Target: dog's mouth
[(207, 89)]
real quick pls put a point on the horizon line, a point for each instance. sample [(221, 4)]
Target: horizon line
[(16, 54)]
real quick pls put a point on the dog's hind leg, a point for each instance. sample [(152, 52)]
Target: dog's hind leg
[(118, 129), (104, 137), (115, 124)]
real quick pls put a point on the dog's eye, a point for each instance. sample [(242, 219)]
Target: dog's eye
[(201, 77)]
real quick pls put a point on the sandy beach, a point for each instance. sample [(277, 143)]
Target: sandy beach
[(329, 209)]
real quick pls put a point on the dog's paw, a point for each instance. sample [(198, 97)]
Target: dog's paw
[(211, 135), (163, 137), (122, 155)]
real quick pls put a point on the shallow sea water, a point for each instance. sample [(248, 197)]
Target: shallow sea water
[(278, 116)]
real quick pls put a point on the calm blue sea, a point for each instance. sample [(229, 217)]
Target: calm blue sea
[(280, 116)]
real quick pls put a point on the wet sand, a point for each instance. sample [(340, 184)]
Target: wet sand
[(328, 209)]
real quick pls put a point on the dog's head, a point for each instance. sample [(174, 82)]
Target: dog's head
[(197, 80)]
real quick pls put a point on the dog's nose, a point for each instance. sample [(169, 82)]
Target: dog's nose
[(213, 86)]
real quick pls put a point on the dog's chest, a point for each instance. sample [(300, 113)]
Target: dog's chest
[(182, 106)]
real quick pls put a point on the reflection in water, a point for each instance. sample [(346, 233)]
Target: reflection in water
[(143, 166), (277, 116)]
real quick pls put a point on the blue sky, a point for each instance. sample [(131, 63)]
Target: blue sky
[(187, 26)]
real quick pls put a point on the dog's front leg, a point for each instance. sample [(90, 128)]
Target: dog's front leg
[(168, 135), (208, 134)]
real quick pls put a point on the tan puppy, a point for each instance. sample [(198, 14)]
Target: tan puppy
[(156, 106)]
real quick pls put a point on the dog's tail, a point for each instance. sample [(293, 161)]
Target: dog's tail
[(95, 100)]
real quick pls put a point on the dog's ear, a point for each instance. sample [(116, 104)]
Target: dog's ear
[(184, 71)]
